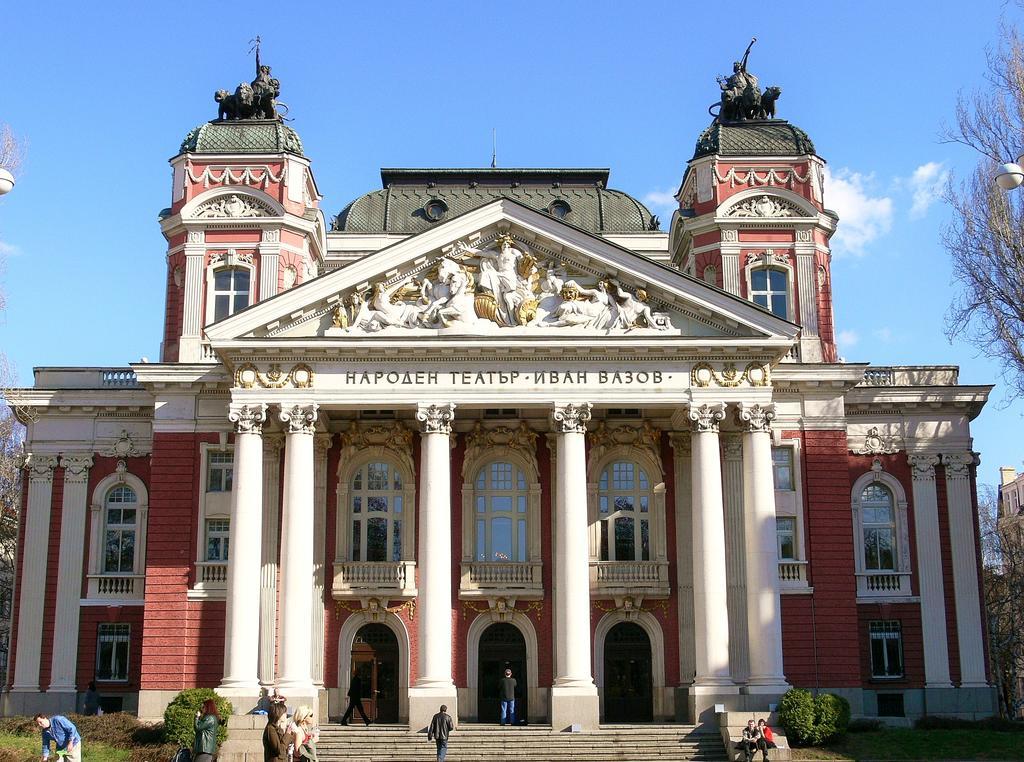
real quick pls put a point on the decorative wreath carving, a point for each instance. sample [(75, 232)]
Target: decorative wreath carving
[(248, 376)]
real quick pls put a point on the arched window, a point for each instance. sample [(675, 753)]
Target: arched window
[(711, 275), (120, 527), (624, 506), (377, 510), (769, 287), (501, 513), (230, 291), (878, 521)]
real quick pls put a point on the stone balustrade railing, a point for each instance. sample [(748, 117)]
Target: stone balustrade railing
[(498, 578), (625, 577), (883, 584), (792, 574), (394, 579), (911, 375), (117, 586)]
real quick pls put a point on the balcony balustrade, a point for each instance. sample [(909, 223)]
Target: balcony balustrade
[(649, 578), (117, 586), (883, 584), (374, 579), (489, 579)]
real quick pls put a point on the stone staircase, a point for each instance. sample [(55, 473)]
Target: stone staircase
[(535, 743)]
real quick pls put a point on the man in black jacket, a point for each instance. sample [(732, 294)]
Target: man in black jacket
[(355, 701), (440, 728)]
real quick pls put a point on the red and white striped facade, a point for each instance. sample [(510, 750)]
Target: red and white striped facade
[(800, 520)]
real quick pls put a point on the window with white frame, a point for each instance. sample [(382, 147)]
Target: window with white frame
[(112, 649), (878, 523), (217, 539), (624, 507), (886, 640), (782, 468), (119, 530), (377, 512), (501, 513), (769, 287), (785, 532), (230, 291), (220, 469)]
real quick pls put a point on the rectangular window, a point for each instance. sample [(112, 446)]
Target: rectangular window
[(220, 468), (785, 531), (112, 644), (782, 468), (217, 539), (886, 649)]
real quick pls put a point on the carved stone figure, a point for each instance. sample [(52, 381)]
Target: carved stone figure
[(237, 105), (633, 312), (506, 274), (742, 98), (587, 307), (265, 90), (768, 98), (257, 100), (450, 300)]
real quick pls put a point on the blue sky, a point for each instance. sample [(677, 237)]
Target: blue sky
[(104, 96)]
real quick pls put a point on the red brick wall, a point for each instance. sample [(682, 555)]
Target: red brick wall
[(819, 632), (88, 630)]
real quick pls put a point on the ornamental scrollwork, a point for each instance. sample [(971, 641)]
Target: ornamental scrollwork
[(435, 419), (40, 467), (644, 436), (76, 467), (765, 206), (706, 417), (877, 444), (248, 376), (248, 418), (922, 466), (233, 206), (704, 375), (756, 417), (571, 418), (958, 465), (522, 438), (301, 419)]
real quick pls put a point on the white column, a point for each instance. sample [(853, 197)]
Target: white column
[(434, 684), (241, 641), (573, 695), (297, 551), (272, 446), (963, 534), (33, 572), (764, 608), (711, 618), (321, 446), (929, 571), (64, 665), (735, 556)]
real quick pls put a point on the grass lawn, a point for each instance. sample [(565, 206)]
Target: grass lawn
[(906, 744), (17, 748)]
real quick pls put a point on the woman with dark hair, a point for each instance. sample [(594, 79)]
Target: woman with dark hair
[(207, 721), (276, 738)]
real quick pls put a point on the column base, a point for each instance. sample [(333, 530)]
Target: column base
[(770, 687), (575, 705), (702, 700), (425, 702), (63, 700), (243, 698), (29, 702)]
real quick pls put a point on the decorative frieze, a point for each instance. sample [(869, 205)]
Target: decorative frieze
[(521, 438), (248, 418), (234, 206), (435, 419), (704, 374), (765, 206), (249, 376), (301, 419), (757, 176), (571, 418)]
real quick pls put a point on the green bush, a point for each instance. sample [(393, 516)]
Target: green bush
[(813, 720), (181, 714)]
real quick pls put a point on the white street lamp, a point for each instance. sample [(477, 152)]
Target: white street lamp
[(6, 181), (1010, 176)]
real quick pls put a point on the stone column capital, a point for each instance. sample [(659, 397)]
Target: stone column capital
[(301, 418), (76, 466), (681, 445), (571, 417), (40, 467), (706, 417), (435, 418), (248, 417), (958, 465), (922, 466), (756, 417), (322, 443)]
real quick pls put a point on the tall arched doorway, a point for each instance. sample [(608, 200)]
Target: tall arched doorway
[(628, 693), (375, 663), (501, 645)]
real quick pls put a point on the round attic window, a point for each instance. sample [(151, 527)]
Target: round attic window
[(435, 209), (559, 209)]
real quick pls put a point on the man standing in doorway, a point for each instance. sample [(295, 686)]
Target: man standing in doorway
[(507, 694)]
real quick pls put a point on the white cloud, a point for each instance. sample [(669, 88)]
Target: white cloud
[(847, 339), (8, 249), (884, 334), (862, 217), (663, 204), (926, 186)]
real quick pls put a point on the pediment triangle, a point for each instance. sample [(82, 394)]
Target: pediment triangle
[(506, 270)]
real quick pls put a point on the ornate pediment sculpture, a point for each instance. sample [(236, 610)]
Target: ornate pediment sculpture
[(765, 206)]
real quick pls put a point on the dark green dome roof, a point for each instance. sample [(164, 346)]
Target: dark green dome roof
[(242, 136), (764, 137), (414, 200)]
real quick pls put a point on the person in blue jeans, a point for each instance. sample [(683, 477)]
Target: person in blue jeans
[(63, 734), (507, 694), (440, 728)]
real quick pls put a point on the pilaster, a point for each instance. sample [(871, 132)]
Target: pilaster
[(190, 349), (273, 444), (321, 447), (735, 555), (270, 253)]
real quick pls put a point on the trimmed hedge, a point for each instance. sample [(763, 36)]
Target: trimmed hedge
[(180, 715), (813, 720)]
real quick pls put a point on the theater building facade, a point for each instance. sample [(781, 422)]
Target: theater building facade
[(490, 417)]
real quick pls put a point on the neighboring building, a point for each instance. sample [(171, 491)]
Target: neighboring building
[(1011, 494), (1010, 525), (496, 416)]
